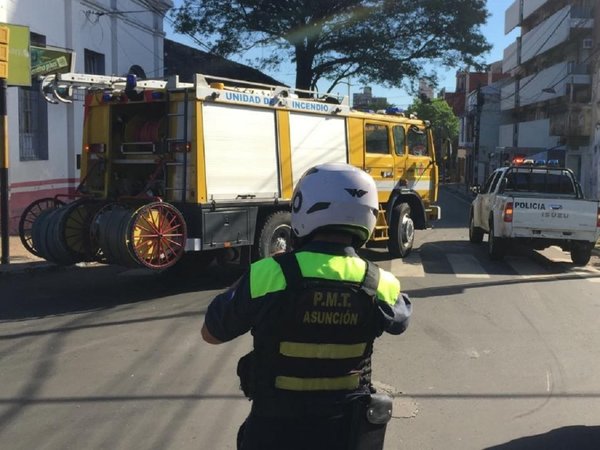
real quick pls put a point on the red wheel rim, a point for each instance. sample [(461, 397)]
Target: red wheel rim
[(157, 235)]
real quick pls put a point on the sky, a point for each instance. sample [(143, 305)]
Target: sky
[(493, 30)]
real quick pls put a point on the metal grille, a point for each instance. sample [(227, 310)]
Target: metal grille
[(33, 124)]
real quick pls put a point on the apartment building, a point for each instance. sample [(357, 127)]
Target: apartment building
[(549, 98), (108, 37)]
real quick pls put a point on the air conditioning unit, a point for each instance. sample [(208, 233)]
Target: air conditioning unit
[(588, 43)]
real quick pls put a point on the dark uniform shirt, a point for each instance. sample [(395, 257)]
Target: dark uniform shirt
[(235, 312), (300, 420)]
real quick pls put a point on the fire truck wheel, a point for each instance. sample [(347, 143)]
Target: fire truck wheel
[(29, 215), (274, 236), (402, 231), (475, 233), (580, 254)]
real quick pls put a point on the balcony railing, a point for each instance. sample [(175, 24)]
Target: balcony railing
[(553, 31), (551, 83)]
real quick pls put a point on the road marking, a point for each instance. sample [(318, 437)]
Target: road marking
[(410, 266), (528, 269), (589, 273), (466, 266)]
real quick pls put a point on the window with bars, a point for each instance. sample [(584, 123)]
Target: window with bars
[(93, 62), (33, 117)]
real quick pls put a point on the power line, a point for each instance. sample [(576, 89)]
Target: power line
[(551, 87), (550, 34), (172, 22)]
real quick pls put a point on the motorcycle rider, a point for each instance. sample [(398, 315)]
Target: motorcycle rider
[(314, 314)]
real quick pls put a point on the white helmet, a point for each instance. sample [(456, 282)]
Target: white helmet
[(335, 196)]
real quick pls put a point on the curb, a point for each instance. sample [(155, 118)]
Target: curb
[(29, 268), (34, 267)]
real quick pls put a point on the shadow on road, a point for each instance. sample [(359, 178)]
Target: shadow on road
[(80, 289), (578, 437), (434, 257)]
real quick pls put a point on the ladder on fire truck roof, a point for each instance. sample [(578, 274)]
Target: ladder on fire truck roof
[(59, 88)]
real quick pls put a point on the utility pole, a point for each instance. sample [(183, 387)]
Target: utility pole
[(4, 36), (480, 101), (3, 173)]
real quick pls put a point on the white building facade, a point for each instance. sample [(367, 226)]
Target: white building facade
[(107, 37), (550, 97), (595, 144)]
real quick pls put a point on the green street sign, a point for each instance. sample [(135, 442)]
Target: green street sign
[(48, 60)]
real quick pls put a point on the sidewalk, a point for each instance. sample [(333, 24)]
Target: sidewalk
[(21, 260)]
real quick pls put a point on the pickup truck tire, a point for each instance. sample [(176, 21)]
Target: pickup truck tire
[(274, 236), (580, 254), (496, 246), (475, 233), (402, 231)]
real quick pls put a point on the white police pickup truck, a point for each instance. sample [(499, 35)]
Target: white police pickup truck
[(535, 205)]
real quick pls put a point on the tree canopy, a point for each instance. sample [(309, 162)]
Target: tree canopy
[(387, 42), (443, 121)]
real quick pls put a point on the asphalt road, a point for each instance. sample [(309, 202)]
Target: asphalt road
[(499, 355)]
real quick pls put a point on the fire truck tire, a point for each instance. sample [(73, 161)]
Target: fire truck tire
[(29, 216), (274, 236), (475, 233), (496, 246), (580, 253), (402, 231)]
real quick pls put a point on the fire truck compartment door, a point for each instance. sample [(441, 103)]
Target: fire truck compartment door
[(240, 149), (316, 139)]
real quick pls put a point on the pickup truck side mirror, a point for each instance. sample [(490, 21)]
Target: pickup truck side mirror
[(475, 189)]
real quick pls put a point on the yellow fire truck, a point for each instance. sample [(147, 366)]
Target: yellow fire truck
[(169, 168)]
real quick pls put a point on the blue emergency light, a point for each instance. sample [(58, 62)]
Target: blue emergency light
[(131, 82)]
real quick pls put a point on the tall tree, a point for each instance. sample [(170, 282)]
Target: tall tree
[(439, 113), (386, 42), (445, 127)]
